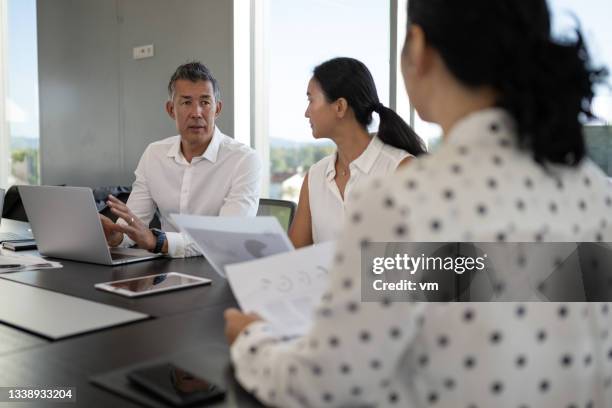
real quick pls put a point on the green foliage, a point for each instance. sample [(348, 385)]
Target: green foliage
[(28, 156), (599, 146), (289, 159)]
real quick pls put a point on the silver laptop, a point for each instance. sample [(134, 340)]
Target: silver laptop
[(65, 223), (12, 230)]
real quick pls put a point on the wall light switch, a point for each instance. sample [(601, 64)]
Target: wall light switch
[(144, 51)]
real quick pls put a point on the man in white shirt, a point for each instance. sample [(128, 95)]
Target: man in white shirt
[(200, 171)]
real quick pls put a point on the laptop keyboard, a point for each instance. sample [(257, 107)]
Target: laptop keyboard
[(122, 256)]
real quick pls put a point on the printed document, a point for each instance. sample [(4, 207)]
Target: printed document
[(229, 240), (284, 289)]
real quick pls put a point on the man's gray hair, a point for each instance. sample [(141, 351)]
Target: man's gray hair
[(194, 71)]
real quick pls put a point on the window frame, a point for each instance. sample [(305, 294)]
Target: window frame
[(5, 148)]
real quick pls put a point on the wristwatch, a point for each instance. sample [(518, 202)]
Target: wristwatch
[(161, 237)]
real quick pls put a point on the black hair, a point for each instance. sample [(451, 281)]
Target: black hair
[(350, 79), (194, 71), (547, 85)]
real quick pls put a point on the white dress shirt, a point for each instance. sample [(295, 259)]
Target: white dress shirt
[(224, 180), (327, 207), (479, 186)]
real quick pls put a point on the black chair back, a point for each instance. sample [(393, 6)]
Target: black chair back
[(283, 210)]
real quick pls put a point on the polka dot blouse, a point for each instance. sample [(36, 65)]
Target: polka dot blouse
[(477, 187)]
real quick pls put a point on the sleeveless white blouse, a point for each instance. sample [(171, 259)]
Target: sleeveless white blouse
[(327, 208)]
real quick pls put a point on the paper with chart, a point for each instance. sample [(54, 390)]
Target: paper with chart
[(228, 240), (283, 289)]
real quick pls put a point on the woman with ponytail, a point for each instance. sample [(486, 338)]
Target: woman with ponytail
[(512, 167), (341, 100)]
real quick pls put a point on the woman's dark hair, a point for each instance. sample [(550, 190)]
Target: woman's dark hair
[(545, 84), (350, 79)]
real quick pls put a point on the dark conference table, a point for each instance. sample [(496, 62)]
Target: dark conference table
[(184, 321)]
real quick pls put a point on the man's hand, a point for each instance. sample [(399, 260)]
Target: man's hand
[(135, 228), (112, 234), (236, 321)]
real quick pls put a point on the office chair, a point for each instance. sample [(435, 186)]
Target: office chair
[(283, 210), (122, 193), (13, 207)]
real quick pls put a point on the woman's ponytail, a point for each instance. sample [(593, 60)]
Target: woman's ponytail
[(350, 79), (393, 131)]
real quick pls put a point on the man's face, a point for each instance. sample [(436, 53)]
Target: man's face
[(194, 109)]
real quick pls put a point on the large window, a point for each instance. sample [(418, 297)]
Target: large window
[(302, 34), (595, 24), (288, 39), (20, 161)]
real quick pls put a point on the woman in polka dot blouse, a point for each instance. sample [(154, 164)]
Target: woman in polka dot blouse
[(512, 168)]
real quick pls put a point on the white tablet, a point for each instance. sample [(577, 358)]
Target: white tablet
[(147, 285)]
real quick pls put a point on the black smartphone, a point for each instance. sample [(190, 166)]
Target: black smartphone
[(19, 244), (175, 385)]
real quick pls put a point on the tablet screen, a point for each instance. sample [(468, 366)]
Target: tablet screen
[(156, 282)]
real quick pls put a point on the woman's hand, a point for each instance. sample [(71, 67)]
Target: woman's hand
[(236, 321)]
